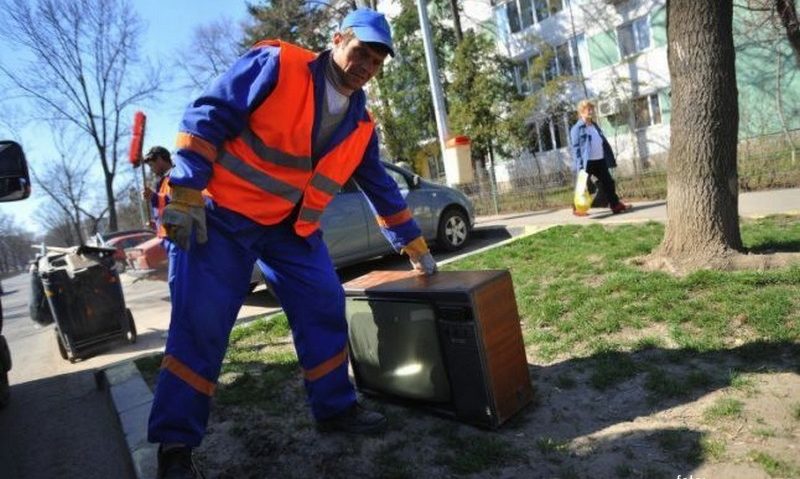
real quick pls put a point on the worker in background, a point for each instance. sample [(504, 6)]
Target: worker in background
[(160, 163), (271, 142)]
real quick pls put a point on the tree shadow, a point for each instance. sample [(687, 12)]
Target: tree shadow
[(592, 403), (775, 246)]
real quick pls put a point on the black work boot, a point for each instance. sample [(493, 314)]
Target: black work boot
[(176, 463), (355, 420)]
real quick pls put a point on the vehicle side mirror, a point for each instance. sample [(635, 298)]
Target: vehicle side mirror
[(415, 181), (15, 183)]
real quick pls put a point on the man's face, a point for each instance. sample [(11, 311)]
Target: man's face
[(158, 165), (358, 61), (587, 113)]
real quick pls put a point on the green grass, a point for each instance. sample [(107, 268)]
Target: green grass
[(547, 445), (149, 366), (723, 408), (473, 453), (575, 285), (259, 361), (712, 449), (772, 466)]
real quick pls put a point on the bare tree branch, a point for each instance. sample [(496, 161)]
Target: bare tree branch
[(85, 71)]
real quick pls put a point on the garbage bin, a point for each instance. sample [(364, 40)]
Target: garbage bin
[(38, 307), (86, 300)]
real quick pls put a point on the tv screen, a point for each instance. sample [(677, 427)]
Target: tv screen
[(395, 348)]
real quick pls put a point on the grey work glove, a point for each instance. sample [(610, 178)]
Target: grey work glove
[(425, 264), (185, 213), (420, 256)]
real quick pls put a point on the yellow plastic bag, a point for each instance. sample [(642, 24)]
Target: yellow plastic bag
[(582, 199)]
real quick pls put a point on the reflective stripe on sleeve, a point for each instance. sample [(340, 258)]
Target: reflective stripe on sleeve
[(187, 141), (396, 219)]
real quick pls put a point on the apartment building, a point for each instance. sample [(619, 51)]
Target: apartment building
[(615, 52)]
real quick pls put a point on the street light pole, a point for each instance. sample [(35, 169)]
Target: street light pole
[(433, 76)]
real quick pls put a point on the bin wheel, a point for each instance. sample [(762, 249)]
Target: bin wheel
[(5, 389), (131, 336), (61, 349)]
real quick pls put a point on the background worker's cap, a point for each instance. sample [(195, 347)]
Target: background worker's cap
[(370, 27), (155, 152)]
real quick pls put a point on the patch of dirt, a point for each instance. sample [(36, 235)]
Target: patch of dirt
[(572, 431)]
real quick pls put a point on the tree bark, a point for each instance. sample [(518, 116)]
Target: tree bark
[(788, 14), (702, 180)]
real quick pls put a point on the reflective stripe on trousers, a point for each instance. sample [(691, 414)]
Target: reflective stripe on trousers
[(208, 286)]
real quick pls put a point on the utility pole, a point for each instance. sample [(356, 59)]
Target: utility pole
[(433, 75)]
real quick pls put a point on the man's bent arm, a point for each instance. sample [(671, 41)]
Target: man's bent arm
[(221, 113)]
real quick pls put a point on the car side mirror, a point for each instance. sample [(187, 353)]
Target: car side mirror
[(415, 181), (15, 183)]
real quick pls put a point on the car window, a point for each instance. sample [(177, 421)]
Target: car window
[(398, 178)]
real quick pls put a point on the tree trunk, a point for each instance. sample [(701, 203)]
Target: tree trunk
[(112, 203), (457, 21), (702, 181), (788, 14)]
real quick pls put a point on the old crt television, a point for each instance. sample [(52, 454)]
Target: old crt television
[(450, 342)]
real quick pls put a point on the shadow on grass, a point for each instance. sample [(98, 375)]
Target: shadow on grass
[(620, 387), (791, 246)]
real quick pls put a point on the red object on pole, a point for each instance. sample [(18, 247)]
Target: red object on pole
[(137, 139)]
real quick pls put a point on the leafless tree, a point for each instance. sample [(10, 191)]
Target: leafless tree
[(83, 71), (67, 182), (213, 48), (15, 244)]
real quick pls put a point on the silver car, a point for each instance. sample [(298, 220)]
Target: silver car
[(445, 215)]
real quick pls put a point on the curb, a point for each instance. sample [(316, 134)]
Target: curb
[(131, 399)]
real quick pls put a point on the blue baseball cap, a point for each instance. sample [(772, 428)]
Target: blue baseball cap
[(369, 26)]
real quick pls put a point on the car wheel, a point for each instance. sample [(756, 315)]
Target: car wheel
[(5, 389), (131, 335), (453, 230)]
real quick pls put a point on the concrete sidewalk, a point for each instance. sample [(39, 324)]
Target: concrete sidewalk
[(751, 205)]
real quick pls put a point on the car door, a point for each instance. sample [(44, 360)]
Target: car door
[(344, 225), (419, 206)]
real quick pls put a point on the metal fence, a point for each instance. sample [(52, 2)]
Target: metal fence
[(765, 162)]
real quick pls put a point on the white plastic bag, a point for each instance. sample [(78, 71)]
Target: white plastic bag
[(582, 200)]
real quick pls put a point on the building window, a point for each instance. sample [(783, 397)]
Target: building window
[(569, 60), (522, 71), (634, 37), (513, 16), (646, 111), (527, 13), (542, 9)]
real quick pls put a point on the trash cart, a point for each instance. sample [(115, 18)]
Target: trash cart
[(86, 300)]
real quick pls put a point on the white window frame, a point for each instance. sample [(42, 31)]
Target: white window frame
[(649, 99), (635, 34)]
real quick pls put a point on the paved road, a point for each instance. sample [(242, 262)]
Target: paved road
[(58, 424)]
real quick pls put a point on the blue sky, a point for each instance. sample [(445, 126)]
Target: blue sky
[(169, 27)]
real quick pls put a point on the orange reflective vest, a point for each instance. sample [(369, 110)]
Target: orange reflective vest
[(265, 171), (161, 203)]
